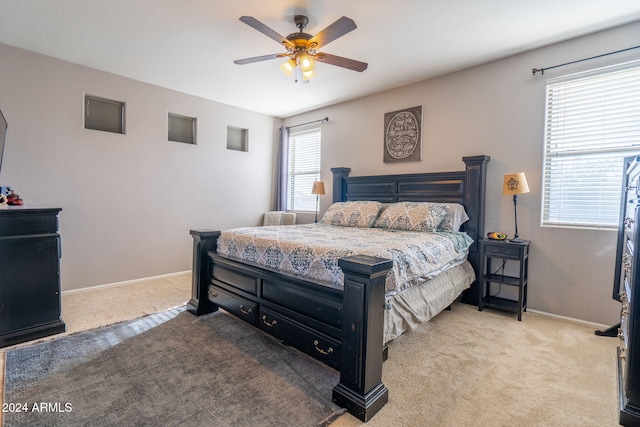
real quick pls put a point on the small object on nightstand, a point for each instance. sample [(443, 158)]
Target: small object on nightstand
[(517, 252), (496, 235), (14, 200), (3, 201)]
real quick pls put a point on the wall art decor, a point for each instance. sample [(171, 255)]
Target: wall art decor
[(403, 135)]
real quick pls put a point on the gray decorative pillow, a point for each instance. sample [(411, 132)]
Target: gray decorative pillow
[(352, 214), (412, 216)]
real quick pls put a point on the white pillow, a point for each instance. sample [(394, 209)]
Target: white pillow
[(455, 217)]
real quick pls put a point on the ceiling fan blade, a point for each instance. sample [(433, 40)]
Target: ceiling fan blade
[(338, 29), (254, 23), (351, 64), (259, 58)]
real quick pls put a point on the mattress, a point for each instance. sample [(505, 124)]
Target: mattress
[(311, 251)]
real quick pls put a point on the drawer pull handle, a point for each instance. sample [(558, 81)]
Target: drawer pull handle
[(620, 334), (628, 222), (245, 312), (623, 354), (266, 322), (321, 351), (212, 294)]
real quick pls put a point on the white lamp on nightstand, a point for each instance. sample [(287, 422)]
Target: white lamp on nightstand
[(317, 189), (515, 183)]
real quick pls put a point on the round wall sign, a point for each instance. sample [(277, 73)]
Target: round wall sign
[(402, 135)]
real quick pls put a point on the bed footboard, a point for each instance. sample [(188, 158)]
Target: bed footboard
[(360, 389), (342, 328), (203, 241)]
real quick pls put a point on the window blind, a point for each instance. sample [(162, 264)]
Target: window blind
[(181, 129), (592, 123), (103, 114), (304, 169)]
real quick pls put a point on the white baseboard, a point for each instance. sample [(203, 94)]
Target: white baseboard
[(127, 282), (594, 325)]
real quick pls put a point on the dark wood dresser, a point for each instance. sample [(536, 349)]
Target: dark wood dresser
[(628, 284), (29, 274)]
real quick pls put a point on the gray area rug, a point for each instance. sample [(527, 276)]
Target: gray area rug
[(170, 368)]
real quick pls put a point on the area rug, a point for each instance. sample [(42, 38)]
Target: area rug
[(171, 368)]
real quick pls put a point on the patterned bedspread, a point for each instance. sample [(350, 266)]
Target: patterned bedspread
[(311, 251)]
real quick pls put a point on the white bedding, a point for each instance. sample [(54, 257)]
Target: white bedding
[(311, 251)]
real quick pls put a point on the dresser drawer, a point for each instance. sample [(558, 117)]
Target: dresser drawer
[(314, 343), (499, 250), (16, 221), (243, 308)]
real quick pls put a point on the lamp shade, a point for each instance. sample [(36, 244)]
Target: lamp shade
[(307, 63), (515, 183), (288, 66), (318, 187)]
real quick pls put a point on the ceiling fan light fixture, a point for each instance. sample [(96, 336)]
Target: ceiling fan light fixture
[(307, 63), (302, 48), (288, 66), (308, 75)]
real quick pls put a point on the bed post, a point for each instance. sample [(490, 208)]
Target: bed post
[(203, 241), (474, 201), (360, 389), (339, 186)]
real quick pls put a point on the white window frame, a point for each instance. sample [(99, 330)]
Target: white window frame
[(592, 122), (304, 168)]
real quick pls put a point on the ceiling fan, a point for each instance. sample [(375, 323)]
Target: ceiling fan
[(302, 48)]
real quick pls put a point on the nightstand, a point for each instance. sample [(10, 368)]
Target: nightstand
[(497, 256)]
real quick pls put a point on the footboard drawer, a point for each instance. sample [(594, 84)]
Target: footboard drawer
[(309, 302), (242, 308), (313, 343), (241, 281)]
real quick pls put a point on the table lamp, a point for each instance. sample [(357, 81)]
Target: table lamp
[(317, 189), (515, 183)]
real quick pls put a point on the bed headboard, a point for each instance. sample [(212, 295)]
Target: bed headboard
[(466, 187)]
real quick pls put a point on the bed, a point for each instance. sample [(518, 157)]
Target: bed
[(345, 315)]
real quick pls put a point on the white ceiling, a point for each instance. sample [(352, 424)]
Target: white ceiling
[(190, 45)]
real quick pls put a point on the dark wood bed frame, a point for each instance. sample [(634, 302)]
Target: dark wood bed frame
[(341, 327)]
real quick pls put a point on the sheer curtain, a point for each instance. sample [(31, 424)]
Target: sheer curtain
[(282, 173)]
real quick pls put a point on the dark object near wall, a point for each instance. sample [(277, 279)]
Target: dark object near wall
[(29, 274), (628, 287)]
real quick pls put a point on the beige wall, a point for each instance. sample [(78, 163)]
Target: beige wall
[(130, 200), (495, 109)]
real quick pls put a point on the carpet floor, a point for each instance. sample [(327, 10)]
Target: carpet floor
[(463, 368), (169, 368)]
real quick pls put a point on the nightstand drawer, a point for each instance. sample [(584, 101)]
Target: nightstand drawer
[(500, 250)]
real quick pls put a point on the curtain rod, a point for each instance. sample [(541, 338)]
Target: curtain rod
[(535, 71), (326, 119)]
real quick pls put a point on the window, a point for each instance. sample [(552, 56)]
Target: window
[(181, 129), (592, 123), (304, 169), (103, 114), (237, 139)]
